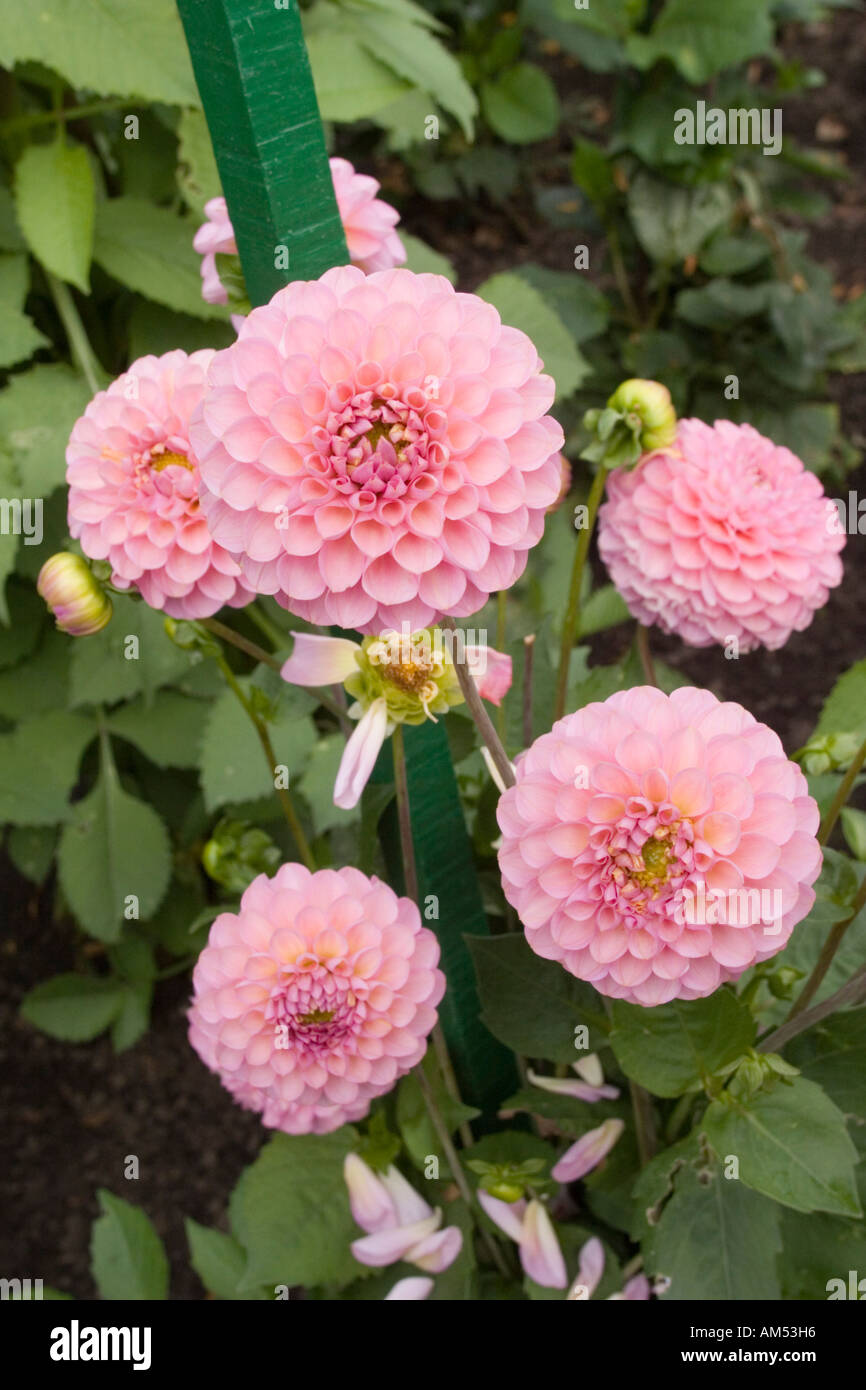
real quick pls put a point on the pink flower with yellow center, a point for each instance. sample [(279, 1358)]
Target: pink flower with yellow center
[(315, 996), (723, 535), (133, 490), (658, 845), (377, 450)]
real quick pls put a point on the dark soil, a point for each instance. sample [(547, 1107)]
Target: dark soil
[(74, 1113)]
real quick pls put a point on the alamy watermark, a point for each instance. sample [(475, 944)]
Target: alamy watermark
[(737, 126), (22, 516)]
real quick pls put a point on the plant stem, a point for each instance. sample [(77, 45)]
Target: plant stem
[(621, 275), (843, 791), (68, 113), (528, 649), (265, 740), (645, 653), (828, 951), (76, 335), (852, 992), (678, 1116), (265, 626), (572, 612), (482, 718), (644, 1122), (243, 644)]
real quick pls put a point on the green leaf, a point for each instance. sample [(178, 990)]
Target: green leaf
[(39, 767), (522, 307), (674, 1047), (10, 233), (591, 171), (54, 202), (533, 1005), (721, 304), (792, 1145), (73, 1008), (19, 336), (317, 784), (232, 763), (424, 260), (111, 666), (290, 1212), (715, 1240), (219, 1261), (854, 830), (415, 55), (110, 47), (351, 84), (521, 104), (36, 437), (150, 249), (40, 683), (111, 848), (133, 1020), (31, 849), (701, 37), (578, 302), (672, 223), (844, 710), (197, 175), (817, 1250), (127, 1258), (168, 730), (604, 608), (833, 1055)]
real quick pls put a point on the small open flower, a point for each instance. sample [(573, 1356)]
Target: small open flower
[(396, 678), (73, 593), (400, 1225), (588, 1152), (590, 1271), (589, 1091), (528, 1223)]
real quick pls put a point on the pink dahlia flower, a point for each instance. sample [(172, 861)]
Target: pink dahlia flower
[(658, 845), (376, 450), (315, 996), (723, 535), (368, 226), (133, 490)]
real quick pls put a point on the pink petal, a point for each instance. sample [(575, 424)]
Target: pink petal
[(320, 660)]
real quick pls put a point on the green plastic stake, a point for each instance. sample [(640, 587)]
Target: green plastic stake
[(254, 78)]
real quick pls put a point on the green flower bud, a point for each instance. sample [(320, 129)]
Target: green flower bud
[(651, 403)]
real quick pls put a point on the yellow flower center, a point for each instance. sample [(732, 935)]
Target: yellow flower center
[(317, 1016), (164, 460)]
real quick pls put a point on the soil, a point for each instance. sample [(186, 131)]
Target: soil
[(74, 1113)]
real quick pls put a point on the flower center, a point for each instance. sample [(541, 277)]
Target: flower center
[(314, 1009), (381, 442), (159, 461), (643, 861)]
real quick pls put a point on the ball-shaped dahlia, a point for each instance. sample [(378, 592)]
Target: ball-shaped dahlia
[(658, 845), (133, 490), (315, 996), (723, 535), (376, 450)]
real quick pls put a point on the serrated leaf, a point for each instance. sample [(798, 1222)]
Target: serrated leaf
[(673, 223), (317, 784), (701, 38), (39, 767), (34, 436), (112, 847), (127, 1258), (150, 250), (197, 176), (533, 1005), (671, 1048), (290, 1212), (54, 203), (415, 55), (232, 763), (844, 710), (73, 1008), (792, 1146), (522, 307), (168, 730), (351, 84), (108, 666), (110, 47)]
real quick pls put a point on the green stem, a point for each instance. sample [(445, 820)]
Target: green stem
[(678, 1116), (482, 718), (621, 274), (528, 650), (644, 1122), (68, 113), (645, 653), (76, 335), (842, 793), (265, 740), (852, 992), (243, 644), (572, 612), (266, 627), (828, 951)]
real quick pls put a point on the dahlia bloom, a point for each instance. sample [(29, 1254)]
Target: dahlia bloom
[(658, 845), (368, 226), (587, 1152), (397, 678), (376, 449), (133, 490), (400, 1225), (721, 536), (528, 1224), (315, 996), (78, 601)]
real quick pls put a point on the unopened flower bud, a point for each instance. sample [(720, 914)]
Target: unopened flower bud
[(79, 603), (651, 401)]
